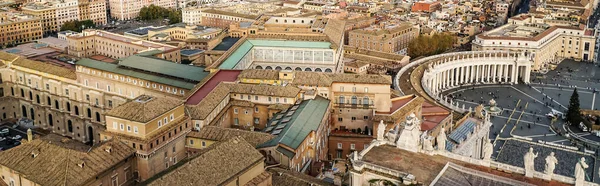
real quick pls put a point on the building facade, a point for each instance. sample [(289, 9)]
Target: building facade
[(385, 38), (130, 9), (19, 28)]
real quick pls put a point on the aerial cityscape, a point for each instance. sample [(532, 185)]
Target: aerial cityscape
[(299, 92)]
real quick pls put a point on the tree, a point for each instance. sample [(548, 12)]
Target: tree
[(573, 113), (430, 45), (153, 12), (77, 26)]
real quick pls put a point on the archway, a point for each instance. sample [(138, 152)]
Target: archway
[(24, 110)]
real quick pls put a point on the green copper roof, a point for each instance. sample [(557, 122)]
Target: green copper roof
[(247, 46), (160, 66), (293, 125), (151, 75)]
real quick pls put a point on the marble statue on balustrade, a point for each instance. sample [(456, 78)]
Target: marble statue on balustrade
[(528, 162), (392, 134), (409, 137), (441, 140), (551, 162), (580, 172), (427, 144), (479, 111), (380, 131), (488, 150)]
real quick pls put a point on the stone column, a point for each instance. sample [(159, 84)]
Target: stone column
[(476, 73), (514, 72), (452, 77), (527, 73), (505, 69)]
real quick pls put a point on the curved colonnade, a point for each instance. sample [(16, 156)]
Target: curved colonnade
[(450, 70)]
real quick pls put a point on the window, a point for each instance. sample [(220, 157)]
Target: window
[(159, 123), (256, 109), (48, 85), (341, 89), (365, 117), (191, 142), (165, 120), (352, 146), (353, 89), (339, 145), (236, 121), (128, 128), (172, 117), (245, 111), (122, 126), (67, 92), (353, 118), (115, 125), (256, 98), (135, 130), (203, 144), (340, 119), (256, 121), (366, 89), (269, 99), (110, 103), (235, 110), (277, 100)]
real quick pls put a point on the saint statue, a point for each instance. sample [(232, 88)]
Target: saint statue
[(488, 150), (580, 171), (551, 162), (441, 140), (380, 131), (427, 145), (528, 162)]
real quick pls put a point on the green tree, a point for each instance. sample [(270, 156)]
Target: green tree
[(430, 45), (573, 113), (77, 26)]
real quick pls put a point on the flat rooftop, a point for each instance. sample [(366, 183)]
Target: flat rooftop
[(511, 30)]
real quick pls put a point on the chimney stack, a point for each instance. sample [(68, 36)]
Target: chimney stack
[(29, 135)]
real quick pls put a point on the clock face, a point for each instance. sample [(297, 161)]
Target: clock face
[(328, 56), (278, 55), (318, 56), (288, 56)]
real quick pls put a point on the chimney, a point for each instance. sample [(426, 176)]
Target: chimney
[(29, 135)]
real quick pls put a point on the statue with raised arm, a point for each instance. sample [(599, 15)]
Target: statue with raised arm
[(380, 131), (528, 162), (488, 150), (441, 140), (580, 171), (551, 162)]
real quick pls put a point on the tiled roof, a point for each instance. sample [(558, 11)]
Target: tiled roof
[(283, 177), (55, 164), (293, 125), (227, 13), (325, 79), (38, 65), (143, 111), (218, 165), (209, 83), (259, 74), (267, 90), (209, 102), (223, 134)]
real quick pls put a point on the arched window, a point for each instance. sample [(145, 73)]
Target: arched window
[(50, 120), (37, 98), (365, 100), (278, 68), (318, 70), (89, 113), (97, 117), (308, 69), (328, 70), (76, 110), (68, 106), (22, 93), (298, 69), (288, 68), (342, 100), (69, 126), (24, 111), (354, 100), (49, 101), (30, 95), (32, 113), (56, 105), (269, 68), (258, 67)]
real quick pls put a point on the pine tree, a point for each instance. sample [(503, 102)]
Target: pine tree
[(573, 113)]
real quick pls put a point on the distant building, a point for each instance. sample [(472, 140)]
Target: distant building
[(130, 9), (391, 38), (19, 28), (426, 6)]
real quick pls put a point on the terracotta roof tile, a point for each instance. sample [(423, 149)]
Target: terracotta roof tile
[(144, 108), (223, 134)]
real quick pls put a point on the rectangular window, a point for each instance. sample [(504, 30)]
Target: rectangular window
[(128, 128), (366, 89), (365, 117), (159, 123), (135, 130), (122, 126), (256, 98), (353, 118), (235, 110), (340, 119), (236, 121), (353, 89), (115, 125), (191, 142), (203, 144), (256, 121), (172, 117), (352, 146), (256, 109), (341, 89), (277, 100), (339, 145)]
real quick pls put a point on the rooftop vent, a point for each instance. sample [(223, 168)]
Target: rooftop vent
[(81, 164), (35, 153), (108, 149), (144, 99)]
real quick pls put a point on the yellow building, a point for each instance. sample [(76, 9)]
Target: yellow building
[(209, 135), (231, 162), (19, 28), (94, 10), (53, 13), (386, 37), (97, 42), (155, 127)]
